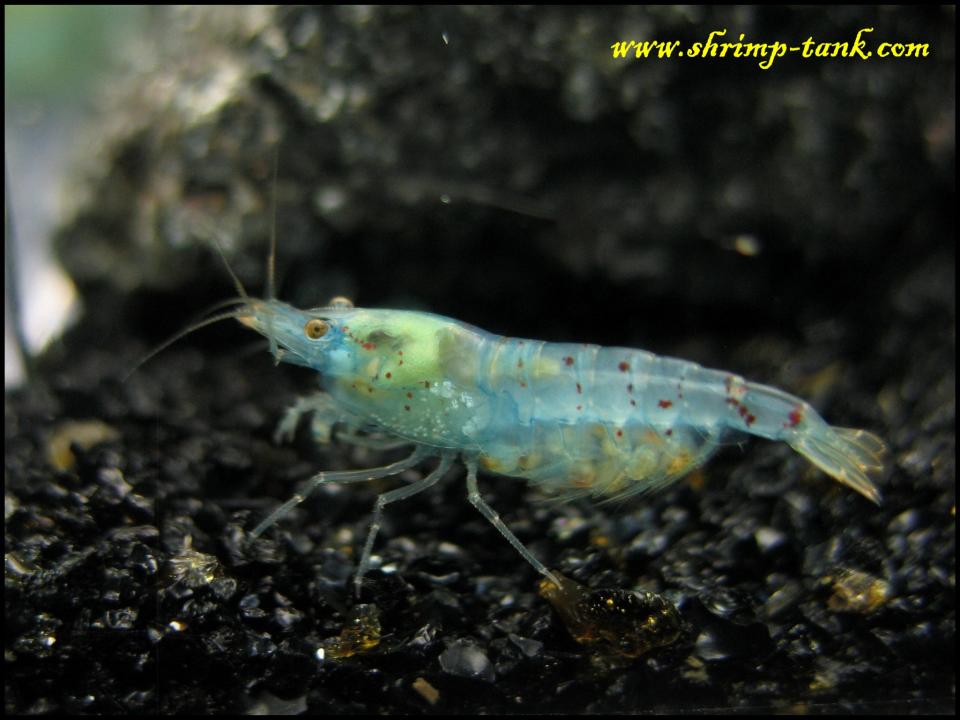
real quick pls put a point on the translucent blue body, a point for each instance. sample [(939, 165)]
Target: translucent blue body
[(574, 419)]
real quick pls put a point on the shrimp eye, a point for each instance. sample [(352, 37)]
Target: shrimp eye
[(315, 328)]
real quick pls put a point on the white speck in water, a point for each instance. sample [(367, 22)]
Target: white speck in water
[(466, 659), (747, 245), (330, 199)]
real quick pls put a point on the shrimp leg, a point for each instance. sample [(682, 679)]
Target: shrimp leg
[(371, 443), (473, 495), (325, 416), (392, 496), (346, 476)]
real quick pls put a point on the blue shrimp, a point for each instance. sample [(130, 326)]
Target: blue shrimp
[(575, 420)]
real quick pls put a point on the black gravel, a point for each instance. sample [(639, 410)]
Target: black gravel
[(612, 204)]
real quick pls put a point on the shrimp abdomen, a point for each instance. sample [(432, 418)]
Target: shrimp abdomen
[(616, 421)]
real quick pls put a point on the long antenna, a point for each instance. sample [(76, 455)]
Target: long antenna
[(272, 258), (241, 290), (237, 313)]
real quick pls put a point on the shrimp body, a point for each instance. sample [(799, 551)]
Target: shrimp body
[(573, 419)]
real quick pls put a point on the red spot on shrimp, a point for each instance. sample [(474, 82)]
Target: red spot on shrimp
[(579, 389), (669, 432), (409, 396), (796, 417), (624, 366), (743, 411), (388, 376), (523, 384), (619, 433), (568, 360), (665, 404), (369, 346)]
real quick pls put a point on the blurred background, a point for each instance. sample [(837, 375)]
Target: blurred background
[(55, 62)]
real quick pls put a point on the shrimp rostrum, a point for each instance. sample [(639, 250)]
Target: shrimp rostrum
[(575, 420)]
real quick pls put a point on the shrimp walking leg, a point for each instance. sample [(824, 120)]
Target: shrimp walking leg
[(371, 443), (346, 476), (385, 499), (325, 415), (473, 495)]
